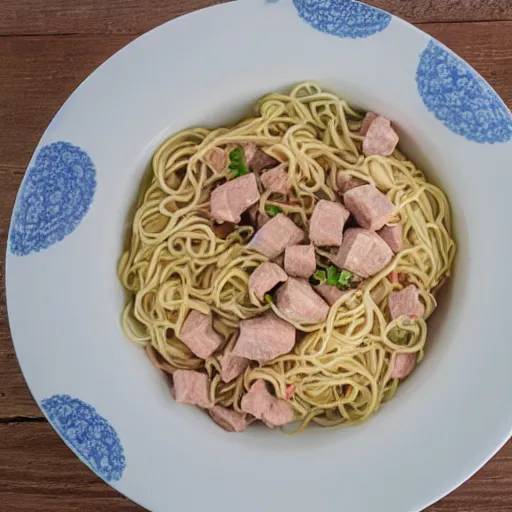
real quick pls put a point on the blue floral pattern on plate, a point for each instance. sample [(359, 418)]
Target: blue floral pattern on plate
[(54, 197), (90, 435), (343, 18), (460, 98)]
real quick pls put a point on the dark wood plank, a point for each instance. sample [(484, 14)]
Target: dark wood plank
[(422, 11), (134, 16), (91, 16)]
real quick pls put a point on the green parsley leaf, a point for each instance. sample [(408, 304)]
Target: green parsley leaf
[(237, 163), (333, 275), (269, 299), (272, 210), (345, 279), (320, 276)]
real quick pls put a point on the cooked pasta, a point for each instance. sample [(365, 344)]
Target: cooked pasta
[(341, 369)]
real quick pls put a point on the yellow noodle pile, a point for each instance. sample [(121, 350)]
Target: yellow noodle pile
[(175, 262)]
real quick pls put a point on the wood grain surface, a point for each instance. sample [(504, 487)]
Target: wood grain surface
[(47, 47)]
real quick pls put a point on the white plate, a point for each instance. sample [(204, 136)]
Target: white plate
[(102, 394)]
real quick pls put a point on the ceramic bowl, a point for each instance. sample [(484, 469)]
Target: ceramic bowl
[(101, 393)]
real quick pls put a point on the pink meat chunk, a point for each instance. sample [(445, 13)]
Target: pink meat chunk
[(257, 159), (406, 302), (330, 293), (370, 207), (367, 122), (327, 222), (393, 236), (297, 300), (265, 277), (347, 182), (190, 387), (363, 252), (198, 334), (404, 365), (264, 338), (300, 260), (230, 200), (277, 180), (232, 366), (228, 419), (267, 408), (275, 236), (217, 159), (380, 138)]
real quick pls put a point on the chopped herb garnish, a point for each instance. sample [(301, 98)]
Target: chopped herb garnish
[(237, 164), (345, 279), (269, 299), (334, 277), (320, 276), (272, 210)]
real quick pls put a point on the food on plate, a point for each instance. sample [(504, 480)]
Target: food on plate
[(283, 269)]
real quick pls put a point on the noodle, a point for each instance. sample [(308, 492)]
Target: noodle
[(175, 262)]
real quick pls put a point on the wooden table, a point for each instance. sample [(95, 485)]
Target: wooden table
[(47, 47)]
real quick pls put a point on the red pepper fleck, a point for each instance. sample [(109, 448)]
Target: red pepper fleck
[(393, 277), (412, 317), (290, 390)]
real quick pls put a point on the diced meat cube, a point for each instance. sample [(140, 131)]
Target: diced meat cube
[(404, 365), (190, 387), (370, 207), (367, 121), (330, 293), (327, 222), (393, 236), (278, 233), (363, 252), (230, 200), (406, 302), (277, 180), (300, 260), (198, 334), (228, 419), (264, 338), (232, 366), (217, 159), (267, 408), (380, 138), (347, 182), (265, 277), (257, 159), (297, 300)]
